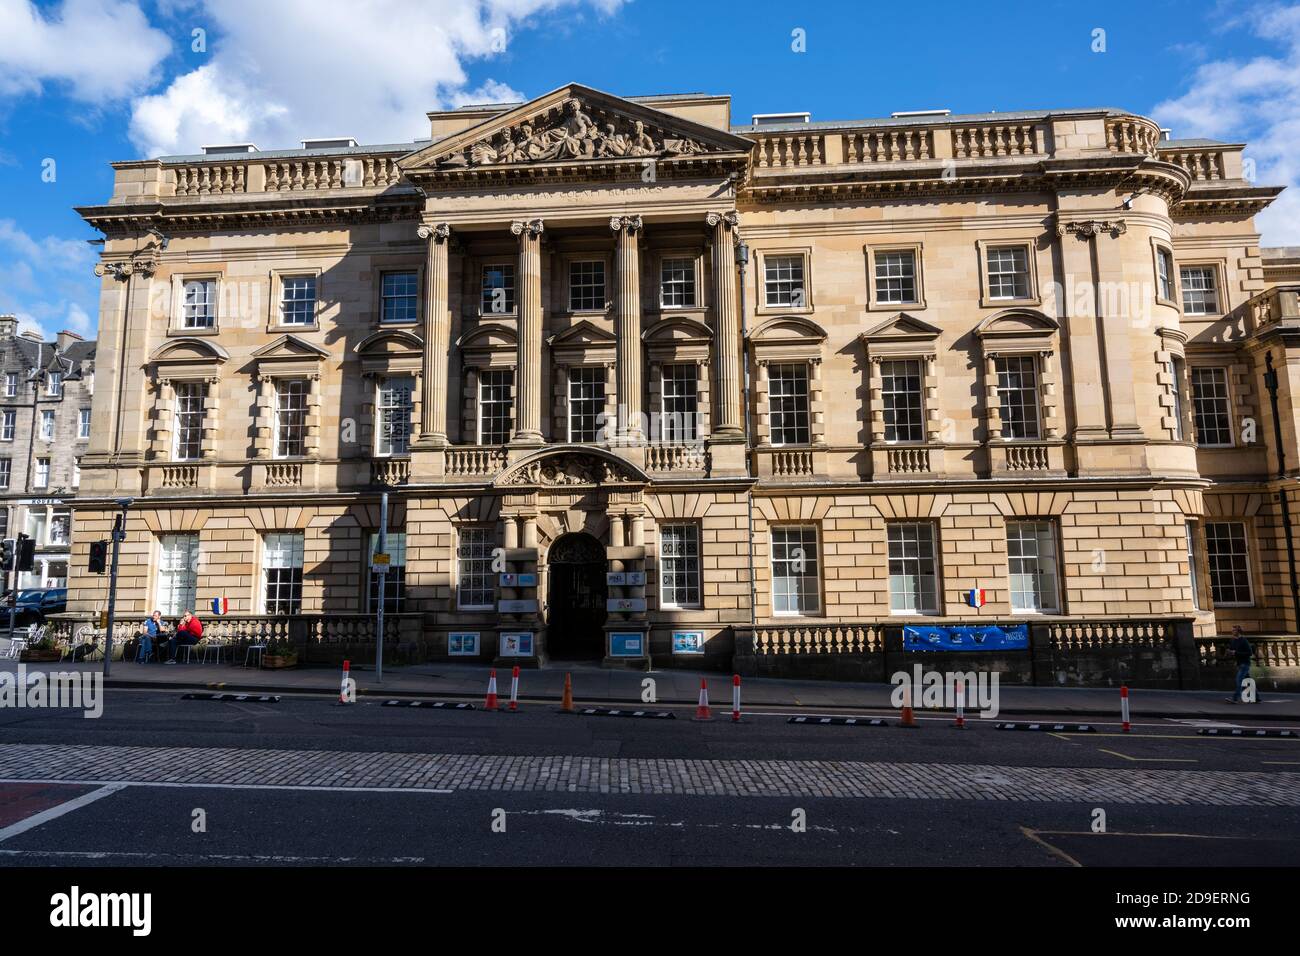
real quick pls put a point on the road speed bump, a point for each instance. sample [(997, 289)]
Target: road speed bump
[(447, 704), (1050, 728), (1238, 732), (841, 721), (252, 698), (608, 712)]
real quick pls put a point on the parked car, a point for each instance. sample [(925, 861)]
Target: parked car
[(34, 605)]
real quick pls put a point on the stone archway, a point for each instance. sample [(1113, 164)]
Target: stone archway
[(575, 602)]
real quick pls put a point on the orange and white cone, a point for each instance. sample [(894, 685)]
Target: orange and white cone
[(1123, 708), (735, 698), (491, 702), (566, 702), (702, 711), (961, 705), (343, 688), (909, 719), (514, 690)]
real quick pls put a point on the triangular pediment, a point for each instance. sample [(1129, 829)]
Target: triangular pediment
[(580, 334), (289, 347), (901, 328), (574, 124)]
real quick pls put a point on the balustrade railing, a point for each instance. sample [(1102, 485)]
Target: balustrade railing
[(209, 179), (992, 140), (889, 145), (477, 461), (791, 149), (1027, 457), (390, 471), (819, 639), (1131, 134), (908, 460), (1201, 164), (283, 474), (675, 457), (790, 464), (180, 476)]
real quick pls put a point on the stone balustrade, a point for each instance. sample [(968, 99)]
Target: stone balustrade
[(210, 179), (790, 149), (474, 461), (1132, 134), (908, 460), (390, 471), (675, 458), (991, 140), (1203, 165), (889, 145), (295, 174)]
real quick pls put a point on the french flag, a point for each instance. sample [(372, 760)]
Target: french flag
[(220, 605), (975, 597)]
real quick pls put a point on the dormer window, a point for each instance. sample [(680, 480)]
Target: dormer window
[(54, 384)]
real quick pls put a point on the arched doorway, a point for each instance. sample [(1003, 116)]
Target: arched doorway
[(575, 598)]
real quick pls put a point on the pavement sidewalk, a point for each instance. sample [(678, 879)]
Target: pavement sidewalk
[(599, 686)]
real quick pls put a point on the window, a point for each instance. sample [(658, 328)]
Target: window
[(783, 281), (11, 384), (900, 396), (7, 419), (83, 423), (199, 304), (787, 402), (60, 528), (1164, 274), (1017, 395), (282, 573), (1192, 573), (1177, 371), (187, 442), (1008, 272), (587, 286), (795, 587), (1210, 409), (913, 581), (495, 397), (399, 295), (475, 580), (679, 565), (6, 471), (394, 580), (498, 296), (47, 425), (586, 403), (290, 418), (54, 384), (76, 472), (36, 523), (1200, 290), (178, 563), (896, 277), (42, 479), (298, 300), (679, 399), (1229, 563), (393, 412), (677, 283), (1031, 561)]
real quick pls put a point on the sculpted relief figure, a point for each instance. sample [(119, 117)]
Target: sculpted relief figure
[(575, 137), (611, 143), (642, 143)]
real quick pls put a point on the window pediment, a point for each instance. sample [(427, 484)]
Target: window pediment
[(290, 347), (788, 337), (901, 328), (1017, 324), (189, 351), (390, 342), (488, 344)]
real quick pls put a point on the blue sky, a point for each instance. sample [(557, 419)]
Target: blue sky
[(85, 82)]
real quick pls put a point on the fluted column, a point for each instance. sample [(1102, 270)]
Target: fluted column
[(528, 365), (729, 423), (437, 336), (628, 327)]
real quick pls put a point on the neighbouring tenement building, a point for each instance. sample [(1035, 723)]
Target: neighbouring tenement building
[(608, 356)]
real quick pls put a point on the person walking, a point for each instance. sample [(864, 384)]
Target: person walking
[(1242, 652), (188, 632)]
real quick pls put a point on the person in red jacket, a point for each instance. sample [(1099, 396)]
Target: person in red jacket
[(188, 631)]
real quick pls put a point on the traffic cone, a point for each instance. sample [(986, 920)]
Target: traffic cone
[(735, 698), (343, 688), (1123, 708), (702, 711), (514, 690), (491, 702), (961, 705), (909, 720), (566, 702)]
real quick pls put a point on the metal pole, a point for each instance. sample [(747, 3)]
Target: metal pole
[(382, 571), (1270, 382), (13, 589), (119, 534), (742, 259)]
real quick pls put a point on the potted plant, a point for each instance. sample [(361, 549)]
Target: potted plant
[(280, 654), (42, 651)]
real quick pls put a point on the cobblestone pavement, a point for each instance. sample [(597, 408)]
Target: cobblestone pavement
[(566, 774)]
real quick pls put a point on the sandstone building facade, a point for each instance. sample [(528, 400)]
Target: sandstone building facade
[(639, 379)]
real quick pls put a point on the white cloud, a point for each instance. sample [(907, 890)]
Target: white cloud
[(47, 282), (1256, 101), (99, 50), (279, 72)]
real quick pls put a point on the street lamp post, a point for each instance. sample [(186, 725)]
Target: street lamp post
[(119, 534)]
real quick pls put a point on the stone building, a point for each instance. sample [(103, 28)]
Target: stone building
[(634, 376), (45, 405)]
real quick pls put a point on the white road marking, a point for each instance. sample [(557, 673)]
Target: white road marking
[(119, 784), (224, 857), (53, 813)]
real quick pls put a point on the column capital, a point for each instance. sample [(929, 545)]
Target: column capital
[(730, 217), (533, 227), (1089, 228), (621, 223), (438, 231)]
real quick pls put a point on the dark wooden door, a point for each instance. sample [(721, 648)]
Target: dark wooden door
[(576, 598)]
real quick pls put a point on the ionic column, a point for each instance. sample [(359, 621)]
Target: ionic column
[(729, 423), (437, 336), (628, 327), (528, 364)]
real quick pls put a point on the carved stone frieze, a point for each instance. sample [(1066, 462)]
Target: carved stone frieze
[(570, 468)]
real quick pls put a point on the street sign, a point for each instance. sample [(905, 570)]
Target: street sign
[(522, 606), (379, 560), (517, 580), (625, 605)]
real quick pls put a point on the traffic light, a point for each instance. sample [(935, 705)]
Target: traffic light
[(98, 556), (25, 554), (7, 555)]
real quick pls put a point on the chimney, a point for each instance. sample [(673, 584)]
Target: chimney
[(8, 326), (33, 335), (66, 338)]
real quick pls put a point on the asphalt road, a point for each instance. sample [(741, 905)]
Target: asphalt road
[(307, 781)]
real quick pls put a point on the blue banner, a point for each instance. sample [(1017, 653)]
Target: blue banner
[(972, 637)]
